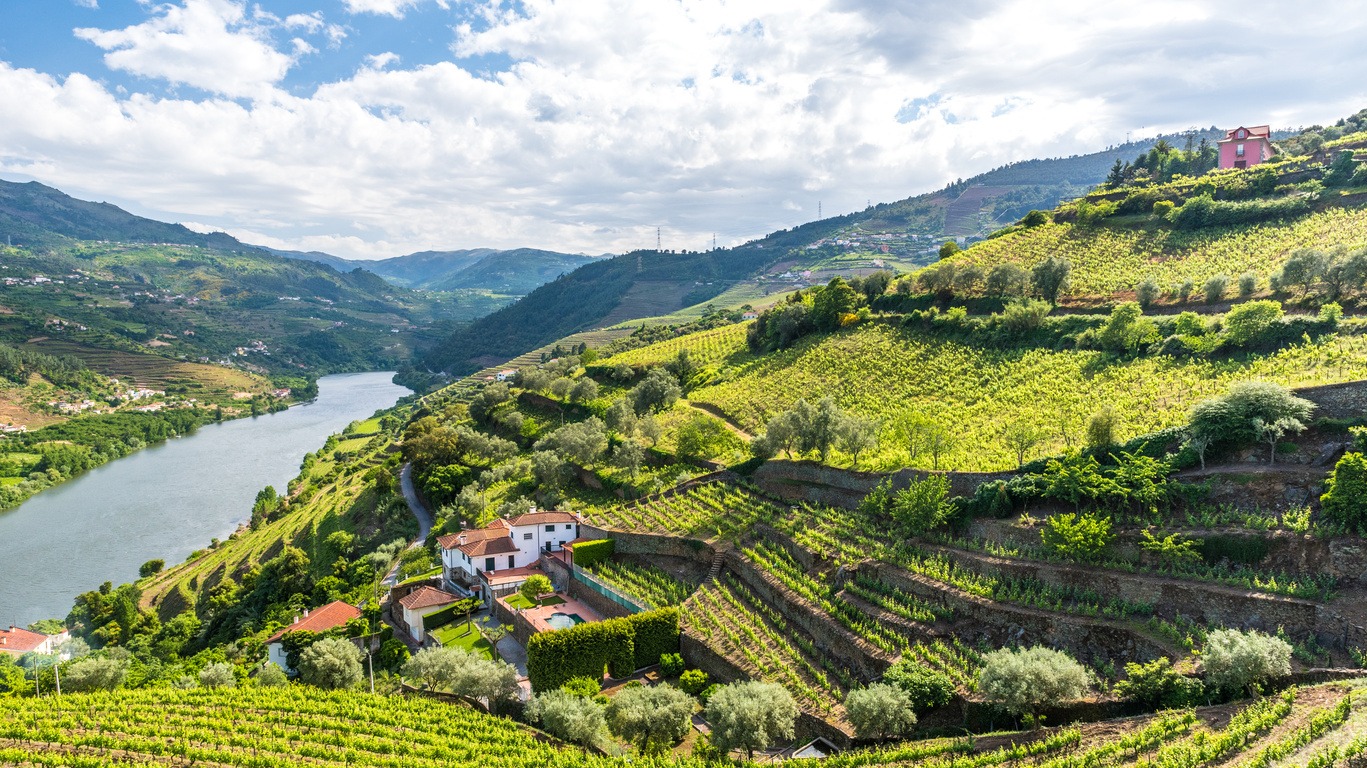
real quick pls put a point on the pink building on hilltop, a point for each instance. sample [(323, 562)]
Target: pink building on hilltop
[(1245, 147)]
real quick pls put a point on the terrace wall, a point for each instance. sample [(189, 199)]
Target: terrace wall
[(819, 484), (651, 544), (720, 669), (1205, 603)]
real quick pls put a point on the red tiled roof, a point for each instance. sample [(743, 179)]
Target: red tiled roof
[(495, 529), (541, 518), (426, 597), (330, 616), (19, 641), (1254, 132), (500, 546)]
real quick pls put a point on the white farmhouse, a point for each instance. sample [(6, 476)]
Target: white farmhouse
[(330, 616), (422, 602), (503, 554)]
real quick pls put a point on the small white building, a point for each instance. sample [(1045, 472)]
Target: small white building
[(328, 617), (505, 375), (421, 602)]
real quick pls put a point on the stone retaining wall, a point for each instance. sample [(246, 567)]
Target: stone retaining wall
[(651, 544), (817, 483), (719, 669)]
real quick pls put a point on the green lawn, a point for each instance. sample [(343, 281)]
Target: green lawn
[(462, 634), (520, 603)]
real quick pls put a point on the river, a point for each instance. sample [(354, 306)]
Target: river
[(165, 501)]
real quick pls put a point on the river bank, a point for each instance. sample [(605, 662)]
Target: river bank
[(165, 501)]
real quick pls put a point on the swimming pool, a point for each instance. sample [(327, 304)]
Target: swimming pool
[(563, 620)]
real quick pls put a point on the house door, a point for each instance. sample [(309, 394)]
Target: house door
[(510, 561), (1240, 163)]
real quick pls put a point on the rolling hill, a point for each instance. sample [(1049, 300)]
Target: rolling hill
[(513, 272)]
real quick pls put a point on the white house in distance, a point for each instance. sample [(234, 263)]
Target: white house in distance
[(419, 603), (330, 616), (503, 549), (17, 641)]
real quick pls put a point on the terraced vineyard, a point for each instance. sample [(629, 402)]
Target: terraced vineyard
[(1109, 259), (706, 510), (738, 625), (648, 584), (704, 347), (885, 372)]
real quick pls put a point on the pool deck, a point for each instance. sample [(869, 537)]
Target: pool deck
[(538, 615)]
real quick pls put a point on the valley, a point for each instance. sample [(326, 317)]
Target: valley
[(1089, 491)]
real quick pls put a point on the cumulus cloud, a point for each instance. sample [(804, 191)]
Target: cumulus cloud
[(208, 44), (601, 119), (91, 4)]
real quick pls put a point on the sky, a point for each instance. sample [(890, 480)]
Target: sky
[(374, 128)]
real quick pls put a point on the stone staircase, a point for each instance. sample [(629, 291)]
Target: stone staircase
[(718, 560)]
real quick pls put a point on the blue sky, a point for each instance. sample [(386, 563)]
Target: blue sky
[(370, 128)]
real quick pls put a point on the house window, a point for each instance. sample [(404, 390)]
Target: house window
[(567, 526), (488, 563), (527, 536), (510, 561), (550, 529), (1242, 134), (1239, 150)]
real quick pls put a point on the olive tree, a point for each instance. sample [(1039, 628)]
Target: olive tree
[(750, 716), (1024, 681), (654, 718), (562, 714), (95, 674), (272, 676), (218, 675), (1244, 661), (658, 391), (463, 673), (331, 663), (879, 711), (1049, 277)]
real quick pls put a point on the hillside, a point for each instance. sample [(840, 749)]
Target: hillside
[(900, 236), (514, 272)]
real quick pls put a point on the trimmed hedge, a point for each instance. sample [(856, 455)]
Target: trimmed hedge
[(591, 553), (440, 618), (554, 658), (656, 633), (621, 645)]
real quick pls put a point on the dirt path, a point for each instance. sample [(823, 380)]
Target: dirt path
[(714, 411), (1290, 470)]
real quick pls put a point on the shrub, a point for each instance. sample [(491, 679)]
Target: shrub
[(463, 673), (219, 675), (1162, 208), (1156, 685), (1078, 537), (1024, 681), (622, 645), (272, 676), (1345, 497), (1147, 291), (1330, 314), (750, 716), (707, 692), (1247, 323), (1244, 661), (393, 654), (923, 505), (566, 716), (880, 711), (693, 682), (1248, 283), (587, 687), (1232, 419), (1215, 288), (151, 568), (926, 687), (654, 718), (671, 665)]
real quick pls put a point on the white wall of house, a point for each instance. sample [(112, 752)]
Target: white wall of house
[(531, 541), (275, 653)]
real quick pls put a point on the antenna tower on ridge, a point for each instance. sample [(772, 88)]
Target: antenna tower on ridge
[(657, 238)]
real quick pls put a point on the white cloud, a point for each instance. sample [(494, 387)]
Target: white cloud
[(91, 4), (726, 116), (208, 44), (395, 8)]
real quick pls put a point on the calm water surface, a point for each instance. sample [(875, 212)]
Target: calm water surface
[(165, 501)]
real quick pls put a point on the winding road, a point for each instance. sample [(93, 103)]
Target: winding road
[(415, 505)]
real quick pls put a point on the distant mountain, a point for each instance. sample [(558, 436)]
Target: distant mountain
[(36, 215), (515, 272)]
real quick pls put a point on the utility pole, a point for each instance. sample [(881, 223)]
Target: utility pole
[(818, 210), (657, 239), (57, 671)]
